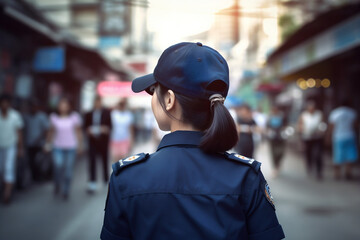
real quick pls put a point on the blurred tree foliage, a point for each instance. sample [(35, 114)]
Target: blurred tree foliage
[(288, 26)]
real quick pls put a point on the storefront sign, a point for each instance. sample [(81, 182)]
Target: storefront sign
[(49, 59), (116, 89), (110, 41), (343, 36), (114, 18)]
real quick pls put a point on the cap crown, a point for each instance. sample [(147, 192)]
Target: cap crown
[(193, 69)]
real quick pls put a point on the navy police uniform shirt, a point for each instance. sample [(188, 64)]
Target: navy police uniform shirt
[(181, 192)]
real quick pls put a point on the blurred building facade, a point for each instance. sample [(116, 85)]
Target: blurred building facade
[(117, 28), (295, 13), (320, 60), (244, 33), (40, 60)]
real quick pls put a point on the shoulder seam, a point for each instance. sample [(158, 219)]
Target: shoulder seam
[(122, 163), (255, 165)]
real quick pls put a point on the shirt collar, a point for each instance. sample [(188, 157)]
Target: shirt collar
[(191, 138)]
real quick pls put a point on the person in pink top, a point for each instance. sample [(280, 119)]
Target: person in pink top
[(65, 140)]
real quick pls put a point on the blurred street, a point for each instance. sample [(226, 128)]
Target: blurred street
[(311, 209), (306, 208), (68, 85), (36, 214)]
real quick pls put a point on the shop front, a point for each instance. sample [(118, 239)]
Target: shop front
[(323, 59)]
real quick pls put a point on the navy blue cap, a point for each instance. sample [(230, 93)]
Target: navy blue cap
[(191, 69)]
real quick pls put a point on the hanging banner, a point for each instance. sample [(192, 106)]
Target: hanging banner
[(49, 59), (114, 18), (116, 89)]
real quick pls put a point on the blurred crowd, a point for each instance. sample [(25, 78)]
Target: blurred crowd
[(338, 133), (36, 146), (46, 146)]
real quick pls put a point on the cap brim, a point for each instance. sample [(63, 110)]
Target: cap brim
[(142, 83)]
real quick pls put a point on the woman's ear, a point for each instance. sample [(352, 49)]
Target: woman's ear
[(170, 100)]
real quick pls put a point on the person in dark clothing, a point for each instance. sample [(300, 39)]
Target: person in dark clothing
[(97, 127), (246, 126), (36, 126), (275, 126), (190, 188)]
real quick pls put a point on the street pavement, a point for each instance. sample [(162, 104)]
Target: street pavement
[(311, 209), (306, 208)]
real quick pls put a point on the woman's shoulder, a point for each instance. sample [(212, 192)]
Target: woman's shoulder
[(250, 162), (124, 163), (74, 114), (114, 112), (13, 113), (53, 116)]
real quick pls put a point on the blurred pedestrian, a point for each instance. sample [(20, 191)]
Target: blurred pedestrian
[(260, 119), (122, 135), (36, 127), (148, 124), (190, 188), (11, 144), (65, 139), (138, 124), (343, 127), (97, 125), (312, 129), (246, 126), (275, 126)]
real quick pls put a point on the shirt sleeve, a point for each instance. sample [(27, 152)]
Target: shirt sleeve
[(115, 226), (19, 123), (262, 223), (131, 118), (45, 121), (77, 119), (332, 117), (52, 120)]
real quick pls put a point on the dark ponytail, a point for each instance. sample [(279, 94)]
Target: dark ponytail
[(221, 134), (213, 119)]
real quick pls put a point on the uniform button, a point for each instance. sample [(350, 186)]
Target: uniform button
[(199, 44)]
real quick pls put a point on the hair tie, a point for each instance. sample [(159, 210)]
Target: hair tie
[(216, 98)]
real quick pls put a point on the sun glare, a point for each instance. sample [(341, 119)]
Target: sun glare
[(172, 21)]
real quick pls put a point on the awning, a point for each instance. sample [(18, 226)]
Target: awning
[(24, 21), (37, 26), (320, 24), (16, 14), (93, 60), (312, 48)]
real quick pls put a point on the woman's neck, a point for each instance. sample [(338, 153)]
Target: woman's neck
[(180, 126)]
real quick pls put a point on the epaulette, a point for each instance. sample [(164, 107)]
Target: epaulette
[(248, 161), (122, 163)]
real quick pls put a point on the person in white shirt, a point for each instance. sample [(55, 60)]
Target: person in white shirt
[(122, 135), (261, 120), (312, 129), (11, 125), (343, 124)]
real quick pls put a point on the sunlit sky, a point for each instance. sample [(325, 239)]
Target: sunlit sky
[(172, 20)]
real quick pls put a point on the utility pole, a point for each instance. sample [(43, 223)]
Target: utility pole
[(236, 18)]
